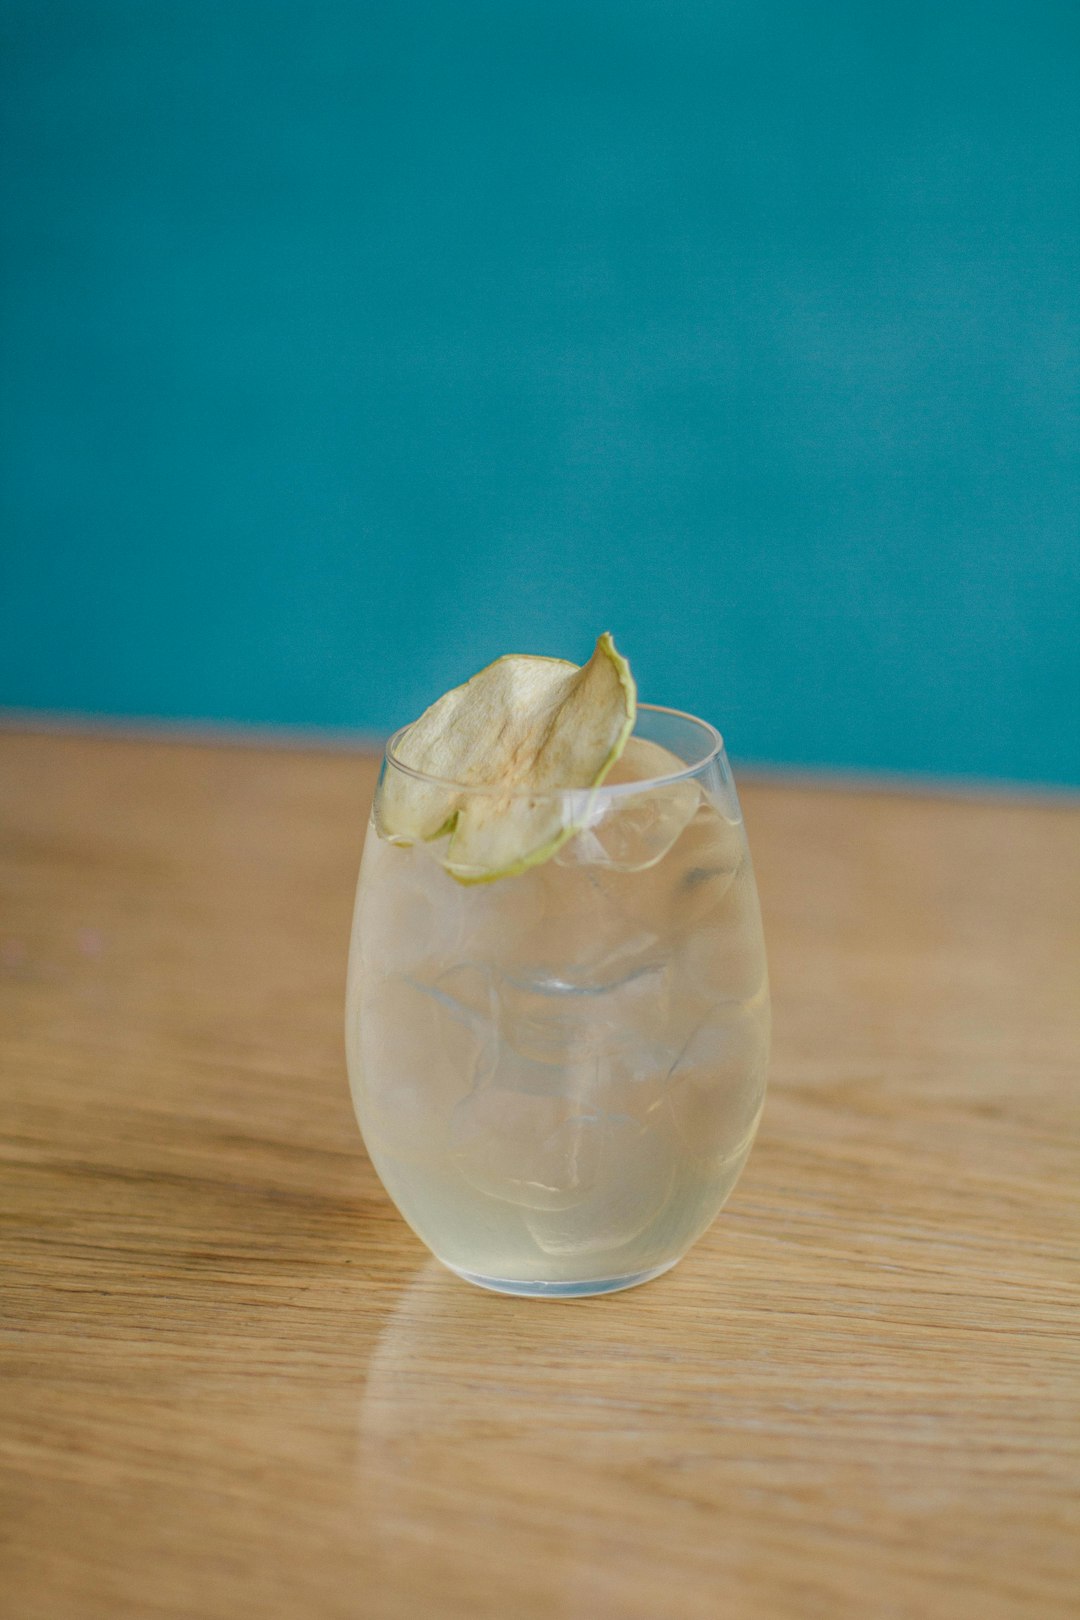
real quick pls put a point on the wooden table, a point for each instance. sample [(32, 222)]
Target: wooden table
[(233, 1384)]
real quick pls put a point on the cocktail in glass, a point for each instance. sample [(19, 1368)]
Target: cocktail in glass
[(559, 1074)]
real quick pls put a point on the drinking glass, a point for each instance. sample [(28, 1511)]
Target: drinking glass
[(559, 1075)]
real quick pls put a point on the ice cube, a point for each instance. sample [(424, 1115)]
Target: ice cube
[(408, 910), (566, 1056), (467, 991), (723, 957), (420, 1053), (534, 1149), (640, 915), (717, 1087), (553, 923), (634, 830), (633, 1176), (574, 1078), (557, 1020), (632, 1082)]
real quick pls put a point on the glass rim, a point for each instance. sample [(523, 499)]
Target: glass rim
[(615, 789)]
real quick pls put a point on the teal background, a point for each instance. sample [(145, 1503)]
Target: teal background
[(346, 346)]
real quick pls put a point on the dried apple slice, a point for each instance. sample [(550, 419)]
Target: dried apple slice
[(505, 757)]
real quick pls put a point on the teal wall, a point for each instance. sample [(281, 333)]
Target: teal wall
[(349, 345)]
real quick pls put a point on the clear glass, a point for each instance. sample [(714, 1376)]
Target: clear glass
[(559, 1075)]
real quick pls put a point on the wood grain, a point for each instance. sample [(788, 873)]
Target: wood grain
[(233, 1384)]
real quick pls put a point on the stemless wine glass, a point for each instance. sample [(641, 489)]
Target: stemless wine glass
[(559, 1075)]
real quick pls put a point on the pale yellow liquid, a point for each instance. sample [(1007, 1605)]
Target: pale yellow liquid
[(559, 1075)]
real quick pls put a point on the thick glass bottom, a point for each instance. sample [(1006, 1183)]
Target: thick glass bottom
[(562, 1290)]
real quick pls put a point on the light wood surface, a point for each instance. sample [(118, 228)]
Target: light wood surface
[(233, 1384)]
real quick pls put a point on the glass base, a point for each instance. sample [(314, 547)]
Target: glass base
[(562, 1290)]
